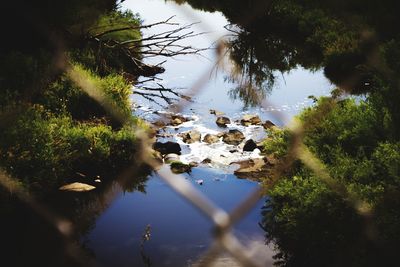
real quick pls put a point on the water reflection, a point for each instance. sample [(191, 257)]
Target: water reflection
[(253, 80), (28, 239), (357, 45), (178, 233)]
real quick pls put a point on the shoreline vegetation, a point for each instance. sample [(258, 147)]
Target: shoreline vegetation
[(54, 130), (347, 213), (65, 87)]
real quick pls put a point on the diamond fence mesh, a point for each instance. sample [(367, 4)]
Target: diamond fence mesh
[(224, 239)]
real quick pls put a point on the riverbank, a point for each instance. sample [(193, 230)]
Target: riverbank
[(75, 122)]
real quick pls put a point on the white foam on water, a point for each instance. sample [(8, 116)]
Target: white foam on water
[(219, 152)]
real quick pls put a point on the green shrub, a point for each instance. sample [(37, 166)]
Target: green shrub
[(309, 222), (277, 143)]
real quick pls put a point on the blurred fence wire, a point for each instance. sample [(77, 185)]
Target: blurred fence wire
[(223, 221)]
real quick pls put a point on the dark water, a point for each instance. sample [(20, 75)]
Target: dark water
[(179, 232)]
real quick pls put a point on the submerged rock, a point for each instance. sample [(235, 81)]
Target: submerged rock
[(211, 138), (233, 137), (167, 147), (191, 136), (250, 120), (180, 167), (250, 145), (268, 124), (77, 187), (222, 121)]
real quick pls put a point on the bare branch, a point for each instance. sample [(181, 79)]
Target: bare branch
[(132, 27)]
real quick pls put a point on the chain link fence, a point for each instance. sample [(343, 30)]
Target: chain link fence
[(224, 239)]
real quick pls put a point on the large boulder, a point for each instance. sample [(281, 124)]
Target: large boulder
[(250, 120), (167, 147), (250, 145), (233, 137), (191, 136), (211, 138), (222, 121), (268, 124)]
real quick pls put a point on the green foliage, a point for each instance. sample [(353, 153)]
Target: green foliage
[(277, 143), (307, 221), (338, 36), (117, 20), (310, 224), (113, 42), (65, 97), (355, 128), (51, 127), (58, 147)]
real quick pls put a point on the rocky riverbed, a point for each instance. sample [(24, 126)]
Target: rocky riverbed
[(234, 145)]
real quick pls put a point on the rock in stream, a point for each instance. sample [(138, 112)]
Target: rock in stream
[(222, 121), (250, 120), (233, 137)]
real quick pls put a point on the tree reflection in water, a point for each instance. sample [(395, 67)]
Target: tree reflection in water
[(357, 44), (29, 240)]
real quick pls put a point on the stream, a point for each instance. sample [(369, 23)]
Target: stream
[(179, 233)]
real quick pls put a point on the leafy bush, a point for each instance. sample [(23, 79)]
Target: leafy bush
[(312, 225), (277, 143)]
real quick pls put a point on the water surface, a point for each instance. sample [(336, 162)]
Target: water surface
[(179, 232)]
